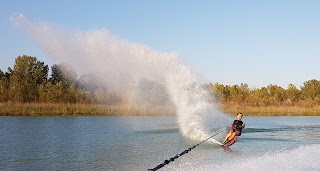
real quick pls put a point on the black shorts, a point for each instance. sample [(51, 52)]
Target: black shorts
[(237, 131)]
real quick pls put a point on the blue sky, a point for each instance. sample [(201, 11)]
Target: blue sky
[(230, 42)]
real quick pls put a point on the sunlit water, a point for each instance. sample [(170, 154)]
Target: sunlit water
[(140, 143)]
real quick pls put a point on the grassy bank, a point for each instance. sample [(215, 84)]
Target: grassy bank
[(61, 109), (270, 110)]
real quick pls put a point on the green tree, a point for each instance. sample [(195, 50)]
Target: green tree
[(65, 74), (27, 74), (58, 92), (52, 93), (234, 93), (4, 86), (222, 93), (259, 97), (244, 91), (293, 94), (238, 93), (311, 90), (1, 74), (277, 94)]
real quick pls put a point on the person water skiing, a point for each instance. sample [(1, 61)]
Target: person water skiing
[(235, 129)]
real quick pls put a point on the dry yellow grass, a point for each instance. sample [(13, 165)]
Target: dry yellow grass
[(271, 110), (61, 109)]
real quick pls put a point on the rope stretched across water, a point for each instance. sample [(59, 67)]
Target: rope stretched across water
[(182, 153)]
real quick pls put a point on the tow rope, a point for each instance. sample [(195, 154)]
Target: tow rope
[(182, 153)]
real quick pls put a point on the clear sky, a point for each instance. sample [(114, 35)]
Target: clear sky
[(230, 42)]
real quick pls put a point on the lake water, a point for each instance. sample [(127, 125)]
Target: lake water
[(141, 143)]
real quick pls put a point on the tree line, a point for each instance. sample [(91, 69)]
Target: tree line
[(272, 95), (29, 81)]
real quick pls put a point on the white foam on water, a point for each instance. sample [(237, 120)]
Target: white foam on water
[(121, 62), (303, 158)]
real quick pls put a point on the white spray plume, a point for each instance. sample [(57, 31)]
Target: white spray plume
[(122, 62)]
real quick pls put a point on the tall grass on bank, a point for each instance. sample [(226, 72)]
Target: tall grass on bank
[(233, 108), (68, 109)]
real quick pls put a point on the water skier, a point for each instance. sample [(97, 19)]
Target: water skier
[(235, 129)]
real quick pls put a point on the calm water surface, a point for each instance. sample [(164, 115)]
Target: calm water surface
[(140, 143)]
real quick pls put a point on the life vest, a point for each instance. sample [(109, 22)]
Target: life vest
[(237, 125)]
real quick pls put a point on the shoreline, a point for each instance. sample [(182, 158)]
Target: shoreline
[(69, 109), (270, 110)]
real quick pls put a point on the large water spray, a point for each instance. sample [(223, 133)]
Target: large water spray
[(120, 63)]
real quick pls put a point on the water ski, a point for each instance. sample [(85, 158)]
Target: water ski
[(230, 142)]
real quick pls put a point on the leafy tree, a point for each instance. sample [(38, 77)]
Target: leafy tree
[(234, 92), (244, 91), (311, 90), (238, 93), (258, 97), (4, 85), (63, 73), (27, 74), (293, 93), (52, 93), (1, 74), (222, 92), (277, 94), (58, 92)]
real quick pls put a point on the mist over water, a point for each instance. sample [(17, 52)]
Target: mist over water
[(123, 65)]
